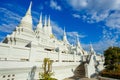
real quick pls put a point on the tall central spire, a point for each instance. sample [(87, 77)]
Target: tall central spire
[(29, 9), (26, 21)]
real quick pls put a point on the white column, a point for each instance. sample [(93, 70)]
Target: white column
[(86, 70), (59, 56), (74, 56), (32, 55)]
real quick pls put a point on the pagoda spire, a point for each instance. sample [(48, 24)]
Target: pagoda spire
[(64, 32), (39, 26), (65, 37), (49, 24), (45, 24), (77, 41), (91, 49), (79, 48), (29, 9), (45, 21), (40, 21), (26, 21)]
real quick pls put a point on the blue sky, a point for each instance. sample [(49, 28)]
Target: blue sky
[(95, 21)]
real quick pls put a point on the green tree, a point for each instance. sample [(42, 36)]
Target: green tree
[(112, 58), (47, 70)]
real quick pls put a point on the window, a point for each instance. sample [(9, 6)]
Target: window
[(8, 75), (13, 75), (12, 79), (3, 76)]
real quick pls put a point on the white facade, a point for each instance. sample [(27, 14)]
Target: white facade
[(25, 48)]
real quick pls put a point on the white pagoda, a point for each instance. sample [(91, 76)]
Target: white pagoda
[(26, 48)]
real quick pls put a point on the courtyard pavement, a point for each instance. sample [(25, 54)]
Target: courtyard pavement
[(82, 79)]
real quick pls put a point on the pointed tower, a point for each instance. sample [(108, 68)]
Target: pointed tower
[(26, 21), (79, 48), (45, 25), (91, 49), (29, 9), (78, 42), (49, 26), (39, 26), (23, 34), (65, 37)]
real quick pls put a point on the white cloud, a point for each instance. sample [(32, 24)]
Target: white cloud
[(55, 6), (10, 20), (1, 38), (113, 20), (58, 31), (9, 14), (110, 38), (76, 16), (99, 17), (100, 46), (97, 10), (77, 4), (7, 28), (116, 4), (73, 35)]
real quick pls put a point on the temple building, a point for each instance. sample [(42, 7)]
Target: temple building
[(25, 49)]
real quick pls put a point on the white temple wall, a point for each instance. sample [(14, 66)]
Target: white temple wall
[(21, 70), (9, 52), (78, 58)]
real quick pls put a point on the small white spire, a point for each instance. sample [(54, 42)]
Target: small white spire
[(49, 21), (77, 38), (65, 37), (91, 49), (29, 9), (45, 22), (39, 26), (40, 21), (64, 34), (45, 25), (78, 42)]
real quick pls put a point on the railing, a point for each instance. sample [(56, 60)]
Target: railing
[(90, 67)]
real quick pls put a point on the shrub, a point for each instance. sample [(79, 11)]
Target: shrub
[(112, 63), (47, 70), (111, 73)]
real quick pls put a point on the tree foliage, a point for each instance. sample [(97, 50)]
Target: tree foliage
[(112, 58), (47, 70)]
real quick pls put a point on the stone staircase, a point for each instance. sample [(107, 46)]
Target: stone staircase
[(79, 72)]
